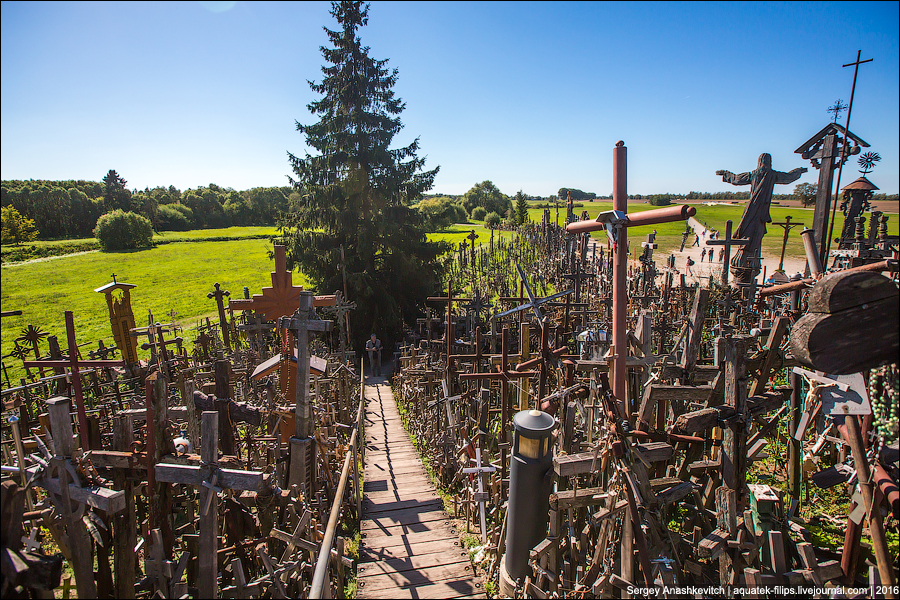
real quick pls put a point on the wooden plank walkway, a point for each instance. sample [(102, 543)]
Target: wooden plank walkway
[(409, 548)]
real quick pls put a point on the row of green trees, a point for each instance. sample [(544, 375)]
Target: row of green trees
[(70, 209)]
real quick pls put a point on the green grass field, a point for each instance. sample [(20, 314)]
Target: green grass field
[(171, 276), (168, 277)]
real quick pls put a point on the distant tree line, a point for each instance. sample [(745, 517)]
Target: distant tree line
[(70, 209)]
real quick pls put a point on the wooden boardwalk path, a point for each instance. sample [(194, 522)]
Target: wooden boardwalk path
[(409, 548)]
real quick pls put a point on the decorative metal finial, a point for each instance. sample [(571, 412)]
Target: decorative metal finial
[(837, 109), (114, 278)]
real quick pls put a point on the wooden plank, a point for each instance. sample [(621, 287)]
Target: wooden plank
[(400, 536), (406, 516), (444, 589), (190, 475), (373, 508), (440, 546), (407, 579), (106, 500), (402, 564)]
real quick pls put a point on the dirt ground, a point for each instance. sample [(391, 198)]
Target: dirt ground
[(703, 270)]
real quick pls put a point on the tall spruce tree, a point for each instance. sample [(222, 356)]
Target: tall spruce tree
[(356, 192)]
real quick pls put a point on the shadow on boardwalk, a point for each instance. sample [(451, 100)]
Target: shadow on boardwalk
[(409, 546)]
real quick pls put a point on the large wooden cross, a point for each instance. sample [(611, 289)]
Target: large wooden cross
[(73, 363), (616, 223), (301, 323), (728, 242), (211, 480), (280, 300)]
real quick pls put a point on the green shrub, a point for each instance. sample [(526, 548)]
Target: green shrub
[(172, 219), (492, 220), (120, 230), (478, 213)]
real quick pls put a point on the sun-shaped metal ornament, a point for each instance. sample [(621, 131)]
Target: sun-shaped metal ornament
[(867, 162)]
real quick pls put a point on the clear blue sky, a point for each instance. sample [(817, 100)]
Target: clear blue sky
[(530, 95)]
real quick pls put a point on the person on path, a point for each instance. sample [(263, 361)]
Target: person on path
[(703, 255), (689, 263), (696, 241), (373, 347), (721, 254)]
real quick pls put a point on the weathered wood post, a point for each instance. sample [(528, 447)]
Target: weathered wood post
[(79, 542)]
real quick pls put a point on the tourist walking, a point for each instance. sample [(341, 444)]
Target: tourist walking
[(373, 347)]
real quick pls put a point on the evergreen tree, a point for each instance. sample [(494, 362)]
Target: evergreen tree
[(356, 193), (115, 194), (521, 208)]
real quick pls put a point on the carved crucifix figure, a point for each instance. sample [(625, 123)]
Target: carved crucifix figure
[(219, 295), (762, 182)]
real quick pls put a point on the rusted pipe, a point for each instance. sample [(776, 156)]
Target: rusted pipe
[(620, 270), (888, 488), (786, 287), (812, 253), (646, 217)]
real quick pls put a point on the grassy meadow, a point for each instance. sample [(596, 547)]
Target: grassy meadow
[(170, 277)]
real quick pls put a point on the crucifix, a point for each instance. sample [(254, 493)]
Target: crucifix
[(728, 242), (74, 364), (616, 224), (211, 480), (787, 226), (302, 322), (219, 295), (481, 497)]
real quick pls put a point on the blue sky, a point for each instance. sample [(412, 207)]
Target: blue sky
[(532, 96)]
